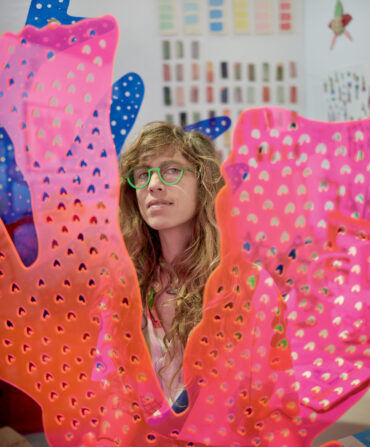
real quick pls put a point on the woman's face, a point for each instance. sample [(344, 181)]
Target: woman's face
[(165, 207)]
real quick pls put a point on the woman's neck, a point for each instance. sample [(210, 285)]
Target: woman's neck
[(174, 241)]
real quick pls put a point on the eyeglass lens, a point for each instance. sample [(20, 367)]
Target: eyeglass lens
[(169, 173)]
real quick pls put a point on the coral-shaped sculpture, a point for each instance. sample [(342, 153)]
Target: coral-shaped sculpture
[(302, 214), (15, 201), (55, 98), (71, 322), (211, 127)]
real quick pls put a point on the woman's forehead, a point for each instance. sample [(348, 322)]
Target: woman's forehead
[(159, 154)]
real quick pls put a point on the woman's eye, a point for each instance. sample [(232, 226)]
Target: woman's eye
[(172, 170), (141, 175)]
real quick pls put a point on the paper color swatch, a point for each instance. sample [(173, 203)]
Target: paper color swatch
[(167, 16), (217, 17), (241, 16), (192, 17), (286, 16), (264, 16)]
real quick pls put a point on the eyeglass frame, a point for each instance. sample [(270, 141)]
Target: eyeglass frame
[(150, 170)]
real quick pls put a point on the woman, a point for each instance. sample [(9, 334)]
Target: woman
[(169, 180)]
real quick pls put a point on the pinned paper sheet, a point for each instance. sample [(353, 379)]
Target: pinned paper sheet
[(168, 20), (193, 16), (217, 17), (286, 16), (264, 16), (242, 16)]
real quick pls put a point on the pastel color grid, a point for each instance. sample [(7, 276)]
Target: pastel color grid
[(179, 72), (293, 94), (251, 72), (195, 49), (251, 95), (192, 16), (280, 95), (237, 71), (209, 94), (264, 16), (166, 72), (179, 49), (286, 16), (238, 94), (167, 17), (194, 94), (292, 69), (217, 17), (196, 117), (169, 118), (209, 71), (224, 95), (183, 119), (242, 17), (266, 93), (166, 50), (227, 134), (194, 71), (167, 95), (180, 96)]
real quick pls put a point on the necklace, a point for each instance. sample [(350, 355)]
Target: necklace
[(170, 291)]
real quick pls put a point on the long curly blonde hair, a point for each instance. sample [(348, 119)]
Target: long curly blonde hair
[(190, 271)]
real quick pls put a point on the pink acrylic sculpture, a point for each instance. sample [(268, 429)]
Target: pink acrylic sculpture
[(281, 349)]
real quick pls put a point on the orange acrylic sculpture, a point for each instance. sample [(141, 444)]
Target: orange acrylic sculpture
[(281, 349)]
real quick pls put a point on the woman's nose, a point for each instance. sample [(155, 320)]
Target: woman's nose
[(155, 182)]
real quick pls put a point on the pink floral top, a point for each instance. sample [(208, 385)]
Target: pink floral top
[(169, 373)]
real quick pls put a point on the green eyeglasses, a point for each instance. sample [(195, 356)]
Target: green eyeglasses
[(169, 172)]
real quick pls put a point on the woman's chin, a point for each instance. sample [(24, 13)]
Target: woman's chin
[(158, 223)]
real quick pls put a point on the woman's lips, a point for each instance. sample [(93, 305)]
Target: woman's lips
[(154, 204)]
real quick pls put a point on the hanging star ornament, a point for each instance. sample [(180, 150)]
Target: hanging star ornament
[(339, 22)]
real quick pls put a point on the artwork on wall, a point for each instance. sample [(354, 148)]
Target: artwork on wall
[(264, 16), (217, 17), (191, 85), (167, 16), (242, 20), (286, 16), (192, 14), (347, 93), (225, 17), (209, 64), (339, 22)]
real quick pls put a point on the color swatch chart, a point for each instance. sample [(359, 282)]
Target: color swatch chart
[(167, 14), (286, 16), (220, 17), (194, 88)]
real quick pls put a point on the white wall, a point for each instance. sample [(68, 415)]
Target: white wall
[(319, 59)]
